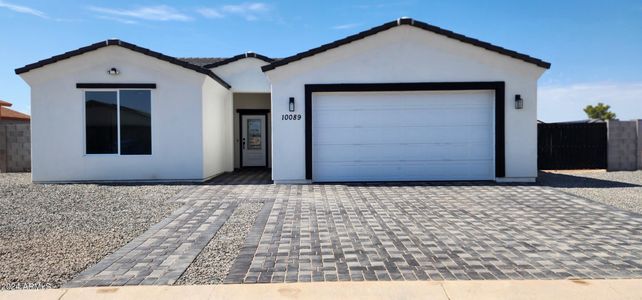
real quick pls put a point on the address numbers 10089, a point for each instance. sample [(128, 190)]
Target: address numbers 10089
[(291, 117)]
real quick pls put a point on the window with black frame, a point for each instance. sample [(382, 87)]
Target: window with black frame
[(118, 122)]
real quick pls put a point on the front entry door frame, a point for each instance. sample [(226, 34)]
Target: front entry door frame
[(254, 112)]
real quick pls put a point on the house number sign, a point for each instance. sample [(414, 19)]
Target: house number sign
[(291, 117)]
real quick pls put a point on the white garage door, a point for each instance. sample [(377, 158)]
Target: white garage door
[(398, 136)]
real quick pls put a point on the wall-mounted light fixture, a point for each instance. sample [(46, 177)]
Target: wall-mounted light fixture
[(113, 71), (291, 104), (519, 102)]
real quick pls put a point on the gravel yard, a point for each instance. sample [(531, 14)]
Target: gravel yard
[(49, 233), (214, 262), (621, 189)]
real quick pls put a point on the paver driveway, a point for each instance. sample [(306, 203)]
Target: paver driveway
[(424, 231)]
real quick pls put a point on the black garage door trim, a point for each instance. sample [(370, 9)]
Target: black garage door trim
[(497, 86)]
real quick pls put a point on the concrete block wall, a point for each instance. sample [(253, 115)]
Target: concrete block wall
[(3, 148), (623, 145), (639, 128), (15, 147)]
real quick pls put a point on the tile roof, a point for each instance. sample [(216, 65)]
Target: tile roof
[(239, 57), (201, 61), (213, 62), (10, 114)]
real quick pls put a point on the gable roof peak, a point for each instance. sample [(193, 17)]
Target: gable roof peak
[(405, 21), (132, 47)]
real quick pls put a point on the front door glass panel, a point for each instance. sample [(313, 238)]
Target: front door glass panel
[(254, 134)]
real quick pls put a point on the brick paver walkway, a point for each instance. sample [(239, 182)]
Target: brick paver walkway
[(449, 231), (413, 231), (161, 254)]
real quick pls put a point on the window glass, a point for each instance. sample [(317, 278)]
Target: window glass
[(254, 134), (135, 122), (101, 122)]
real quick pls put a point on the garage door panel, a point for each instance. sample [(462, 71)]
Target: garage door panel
[(404, 152), (437, 134), (417, 117), (392, 100), (403, 136), (408, 171)]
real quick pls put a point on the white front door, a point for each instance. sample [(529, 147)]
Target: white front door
[(253, 141), (403, 136)]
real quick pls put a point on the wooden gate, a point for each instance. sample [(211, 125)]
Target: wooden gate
[(571, 146)]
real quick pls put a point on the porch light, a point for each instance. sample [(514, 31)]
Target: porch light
[(291, 104), (519, 102), (113, 72)]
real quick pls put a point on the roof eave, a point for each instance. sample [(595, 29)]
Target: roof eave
[(14, 119)]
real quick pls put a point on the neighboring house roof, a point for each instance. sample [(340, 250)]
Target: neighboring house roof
[(238, 57), (114, 42), (414, 23), (10, 114)]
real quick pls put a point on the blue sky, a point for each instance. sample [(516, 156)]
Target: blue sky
[(595, 46)]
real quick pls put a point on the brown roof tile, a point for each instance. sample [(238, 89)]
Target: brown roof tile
[(10, 114)]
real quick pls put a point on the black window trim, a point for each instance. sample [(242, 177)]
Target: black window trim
[(146, 86), (117, 90), (499, 87)]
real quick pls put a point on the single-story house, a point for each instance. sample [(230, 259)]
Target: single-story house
[(404, 101)]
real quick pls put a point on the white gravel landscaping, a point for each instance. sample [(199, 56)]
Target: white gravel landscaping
[(50, 232), (622, 189), (214, 262)]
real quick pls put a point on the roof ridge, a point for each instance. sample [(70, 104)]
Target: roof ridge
[(200, 57), (405, 21), (247, 54)]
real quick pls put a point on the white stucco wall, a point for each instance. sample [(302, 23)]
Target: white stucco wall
[(217, 129), (58, 128), (244, 75), (405, 54)]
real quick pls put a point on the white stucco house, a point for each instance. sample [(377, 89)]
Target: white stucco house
[(403, 101)]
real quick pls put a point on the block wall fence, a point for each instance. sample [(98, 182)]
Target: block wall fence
[(15, 147), (624, 145)]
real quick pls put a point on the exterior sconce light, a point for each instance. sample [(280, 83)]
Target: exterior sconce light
[(519, 102), (291, 104), (113, 72)]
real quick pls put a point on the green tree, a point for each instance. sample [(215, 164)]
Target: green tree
[(599, 111)]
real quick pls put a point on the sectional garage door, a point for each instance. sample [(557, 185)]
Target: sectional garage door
[(403, 136)]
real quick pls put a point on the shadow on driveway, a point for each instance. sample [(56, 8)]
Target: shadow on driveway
[(571, 181)]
